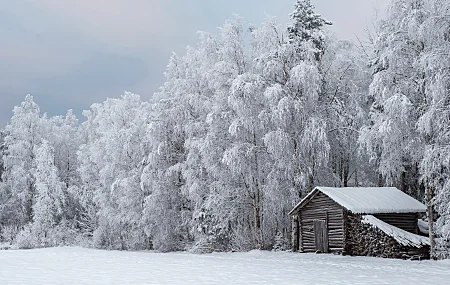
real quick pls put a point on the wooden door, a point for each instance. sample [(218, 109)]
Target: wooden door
[(321, 235)]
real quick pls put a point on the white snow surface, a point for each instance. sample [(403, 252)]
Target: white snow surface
[(370, 200), (401, 236), (72, 265), (423, 226)]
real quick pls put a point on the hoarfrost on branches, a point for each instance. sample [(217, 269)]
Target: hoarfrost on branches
[(247, 122)]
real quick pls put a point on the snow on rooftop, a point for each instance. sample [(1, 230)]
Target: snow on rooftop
[(368, 200), (373, 200), (401, 236)]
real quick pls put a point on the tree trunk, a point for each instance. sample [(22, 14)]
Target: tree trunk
[(257, 221), (380, 180), (430, 222), (403, 179), (346, 170)]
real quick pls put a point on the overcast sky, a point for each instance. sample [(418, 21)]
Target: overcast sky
[(72, 53)]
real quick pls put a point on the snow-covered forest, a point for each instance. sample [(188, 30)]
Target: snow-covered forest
[(247, 123)]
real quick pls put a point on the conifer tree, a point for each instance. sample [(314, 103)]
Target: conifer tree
[(307, 29)]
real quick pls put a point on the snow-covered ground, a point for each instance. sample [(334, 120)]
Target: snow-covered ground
[(72, 265)]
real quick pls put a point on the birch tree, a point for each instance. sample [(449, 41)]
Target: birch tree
[(111, 167), (434, 125), (23, 134), (49, 205), (347, 81), (398, 94), (166, 211)]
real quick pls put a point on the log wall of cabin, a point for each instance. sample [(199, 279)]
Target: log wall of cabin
[(404, 221), (321, 207), (295, 233)]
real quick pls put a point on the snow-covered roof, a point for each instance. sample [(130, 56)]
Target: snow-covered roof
[(368, 200), (401, 236)]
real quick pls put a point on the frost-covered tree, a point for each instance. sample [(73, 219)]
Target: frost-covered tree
[(3, 191), (49, 201), (306, 31), (399, 97), (195, 114), (408, 135), (110, 167), (175, 176), (346, 84), (165, 204), (434, 124), (23, 134), (297, 138), (247, 122), (65, 139), (207, 76), (247, 156), (2, 151)]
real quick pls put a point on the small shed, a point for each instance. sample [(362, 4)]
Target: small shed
[(368, 221)]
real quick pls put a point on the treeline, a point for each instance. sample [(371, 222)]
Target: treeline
[(246, 124)]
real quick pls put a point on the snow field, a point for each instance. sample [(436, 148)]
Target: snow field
[(72, 265)]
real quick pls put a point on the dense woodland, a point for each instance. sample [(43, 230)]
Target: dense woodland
[(246, 124)]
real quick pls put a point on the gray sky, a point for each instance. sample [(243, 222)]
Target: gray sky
[(70, 54)]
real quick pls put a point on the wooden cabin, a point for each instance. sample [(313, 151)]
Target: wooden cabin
[(367, 221)]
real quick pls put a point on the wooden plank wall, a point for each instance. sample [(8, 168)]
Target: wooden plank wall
[(405, 221), (321, 207)]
